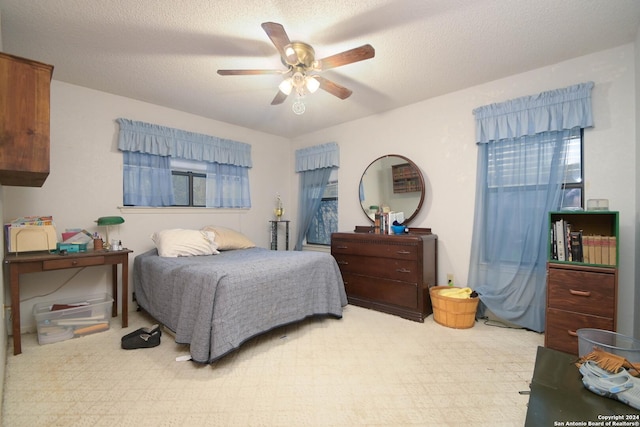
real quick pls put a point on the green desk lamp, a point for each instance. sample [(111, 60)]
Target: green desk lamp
[(106, 221)]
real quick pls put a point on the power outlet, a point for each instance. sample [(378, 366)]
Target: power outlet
[(450, 279)]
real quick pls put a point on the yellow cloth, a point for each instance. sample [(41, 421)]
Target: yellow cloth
[(456, 292)]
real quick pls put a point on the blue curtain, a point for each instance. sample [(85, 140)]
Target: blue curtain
[(147, 180), (227, 163), (522, 148), (227, 186), (314, 164)]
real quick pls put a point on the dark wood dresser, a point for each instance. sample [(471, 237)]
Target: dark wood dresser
[(389, 273), (578, 297)]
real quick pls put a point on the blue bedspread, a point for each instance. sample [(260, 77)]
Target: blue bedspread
[(215, 303)]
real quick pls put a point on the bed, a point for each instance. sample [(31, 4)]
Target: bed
[(214, 303)]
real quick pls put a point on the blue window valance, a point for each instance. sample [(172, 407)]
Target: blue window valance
[(158, 140), (552, 111), (318, 157)]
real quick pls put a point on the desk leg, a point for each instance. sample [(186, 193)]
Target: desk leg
[(124, 299), (114, 290), (15, 308), (125, 292)]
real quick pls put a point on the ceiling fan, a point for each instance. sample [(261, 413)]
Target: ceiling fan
[(303, 67)]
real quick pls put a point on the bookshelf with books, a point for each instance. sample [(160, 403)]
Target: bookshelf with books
[(582, 275), (589, 237)]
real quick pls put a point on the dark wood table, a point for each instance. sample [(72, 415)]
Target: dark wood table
[(558, 396), (35, 262)]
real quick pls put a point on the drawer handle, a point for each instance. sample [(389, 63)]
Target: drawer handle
[(572, 333), (74, 262), (403, 252), (580, 293), (343, 262), (342, 247), (403, 270)]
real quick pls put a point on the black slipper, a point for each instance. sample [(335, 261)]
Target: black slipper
[(149, 330), (142, 340)]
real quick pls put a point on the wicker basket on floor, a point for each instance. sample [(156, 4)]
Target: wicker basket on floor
[(458, 313)]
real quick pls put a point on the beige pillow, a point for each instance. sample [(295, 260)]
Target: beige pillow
[(179, 242), (227, 239)]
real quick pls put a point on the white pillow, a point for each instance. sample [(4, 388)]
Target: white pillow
[(227, 239), (178, 242)]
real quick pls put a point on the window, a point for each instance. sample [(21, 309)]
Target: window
[(171, 167), (189, 187), (325, 220), (508, 168), (573, 187), (518, 173), (529, 161)]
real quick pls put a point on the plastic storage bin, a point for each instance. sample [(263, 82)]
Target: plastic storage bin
[(609, 341), (72, 317)]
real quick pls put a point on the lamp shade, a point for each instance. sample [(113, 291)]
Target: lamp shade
[(110, 220), (285, 86), (312, 84)]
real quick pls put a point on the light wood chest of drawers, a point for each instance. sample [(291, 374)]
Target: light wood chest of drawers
[(389, 273)]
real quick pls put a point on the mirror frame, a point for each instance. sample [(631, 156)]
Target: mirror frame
[(408, 219)]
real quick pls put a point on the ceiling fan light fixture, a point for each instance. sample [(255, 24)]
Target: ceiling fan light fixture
[(300, 59), (312, 84), (285, 86)]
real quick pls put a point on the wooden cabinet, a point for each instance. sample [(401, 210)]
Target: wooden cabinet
[(581, 294), (24, 121), (389, 273)]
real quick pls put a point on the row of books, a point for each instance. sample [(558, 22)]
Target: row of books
[(575, 246)]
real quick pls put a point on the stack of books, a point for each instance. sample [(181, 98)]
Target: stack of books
[(575, 246)]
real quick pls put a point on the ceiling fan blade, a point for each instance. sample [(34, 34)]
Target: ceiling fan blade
[(281, 41), (248, 72), (347, 57), (333, 88), (279, 98)]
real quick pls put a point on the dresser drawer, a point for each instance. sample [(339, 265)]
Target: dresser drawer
[(560, 333), (386, 268), (389, 249), (582, 291), (381, 290), (71, 263)]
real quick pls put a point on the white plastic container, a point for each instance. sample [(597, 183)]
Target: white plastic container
[(72, 317), (598, 204)]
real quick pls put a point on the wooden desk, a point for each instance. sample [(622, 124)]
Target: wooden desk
[(34, 262)]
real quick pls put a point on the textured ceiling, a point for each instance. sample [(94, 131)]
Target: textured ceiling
[(166, 52)]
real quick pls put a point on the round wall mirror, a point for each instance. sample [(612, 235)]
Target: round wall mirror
[(394, 183)]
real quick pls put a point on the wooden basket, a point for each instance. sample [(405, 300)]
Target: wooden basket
[(458, 313)]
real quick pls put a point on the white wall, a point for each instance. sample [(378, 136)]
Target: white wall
[(86, 182), (438, 135)]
